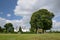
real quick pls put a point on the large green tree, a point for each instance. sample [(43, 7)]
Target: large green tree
[(41, 19), (9, 27)]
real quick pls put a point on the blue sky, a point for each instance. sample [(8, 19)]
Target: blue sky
[(6, 8), (19, 12)]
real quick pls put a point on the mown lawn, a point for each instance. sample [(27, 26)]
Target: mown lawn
[(50, 36)]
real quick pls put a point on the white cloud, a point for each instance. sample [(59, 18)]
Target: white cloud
[(26, 4), (56, 26), (2, 22), (25, 30), (24, 7), (25, 22), (8, 15)]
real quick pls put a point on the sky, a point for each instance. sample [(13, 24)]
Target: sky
[(18, 12)]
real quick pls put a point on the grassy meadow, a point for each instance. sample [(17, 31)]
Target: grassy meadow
[(46, 36)]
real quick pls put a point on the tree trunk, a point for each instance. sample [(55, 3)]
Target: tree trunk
[(37, 31), (43, 31)]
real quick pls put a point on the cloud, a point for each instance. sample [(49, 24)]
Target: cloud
[(8, 15), (52, 5), (56, 26), (2, 22), (25, 8)]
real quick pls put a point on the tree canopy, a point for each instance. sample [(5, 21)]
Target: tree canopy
[(9, 27), (20, 29), (41, 19)]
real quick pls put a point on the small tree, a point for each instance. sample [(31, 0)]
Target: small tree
[(20, 29), (1, 29), (9, 27)]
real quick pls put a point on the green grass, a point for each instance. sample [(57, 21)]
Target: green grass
[(50, 36)]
